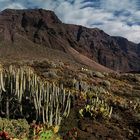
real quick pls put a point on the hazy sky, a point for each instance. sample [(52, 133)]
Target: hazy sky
[(116, 17)]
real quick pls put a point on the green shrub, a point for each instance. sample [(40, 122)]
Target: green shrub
[(51, 74), (21, 130), (15, 128), (42, 132), (137, 117), (98, 74), (99, 90), (137, 77), (106, 83)]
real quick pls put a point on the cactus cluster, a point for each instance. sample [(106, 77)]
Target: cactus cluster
[(51, 102), (97, 107)]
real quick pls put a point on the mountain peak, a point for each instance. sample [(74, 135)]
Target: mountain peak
[(25, 29), (48, 15)]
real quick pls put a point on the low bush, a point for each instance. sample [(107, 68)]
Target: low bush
[(98, 74), (21, 130), (106, 83), (14, 128)]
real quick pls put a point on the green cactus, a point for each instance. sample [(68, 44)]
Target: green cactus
[(97, 107), (50, 101)]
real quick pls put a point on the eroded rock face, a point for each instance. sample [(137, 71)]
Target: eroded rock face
[(44, 28)]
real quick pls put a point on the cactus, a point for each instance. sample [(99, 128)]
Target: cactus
[(50, 101), (110, 112), (2, 81), (97, 107)]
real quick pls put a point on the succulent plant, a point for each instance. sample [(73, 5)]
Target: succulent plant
[(51, 102), (96, 108)]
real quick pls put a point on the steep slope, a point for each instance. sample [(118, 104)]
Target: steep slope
[(34, 33)]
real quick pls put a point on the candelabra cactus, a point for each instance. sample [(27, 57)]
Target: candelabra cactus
[(96, 108), (51, 103)]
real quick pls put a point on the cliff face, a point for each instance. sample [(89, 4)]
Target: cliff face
[(23, 29)]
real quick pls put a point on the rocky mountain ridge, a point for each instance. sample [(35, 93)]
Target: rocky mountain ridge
[(22, 30)]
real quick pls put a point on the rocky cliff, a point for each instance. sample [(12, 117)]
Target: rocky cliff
[(26, 33)]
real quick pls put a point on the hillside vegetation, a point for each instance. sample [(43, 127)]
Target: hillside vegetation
[(68, 103)]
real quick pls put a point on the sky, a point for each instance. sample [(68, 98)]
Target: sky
[(115, 17)]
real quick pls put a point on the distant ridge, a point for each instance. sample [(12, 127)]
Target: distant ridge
[(36, 34)]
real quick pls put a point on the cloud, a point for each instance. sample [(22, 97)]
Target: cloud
[(11, 4), (116, 17), (14, 6), (119, 4), (117, 28), (4, 0)]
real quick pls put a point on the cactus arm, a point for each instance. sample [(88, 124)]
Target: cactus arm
[(2, 81)]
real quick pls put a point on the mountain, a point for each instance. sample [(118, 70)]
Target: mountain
[(39, 34)]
